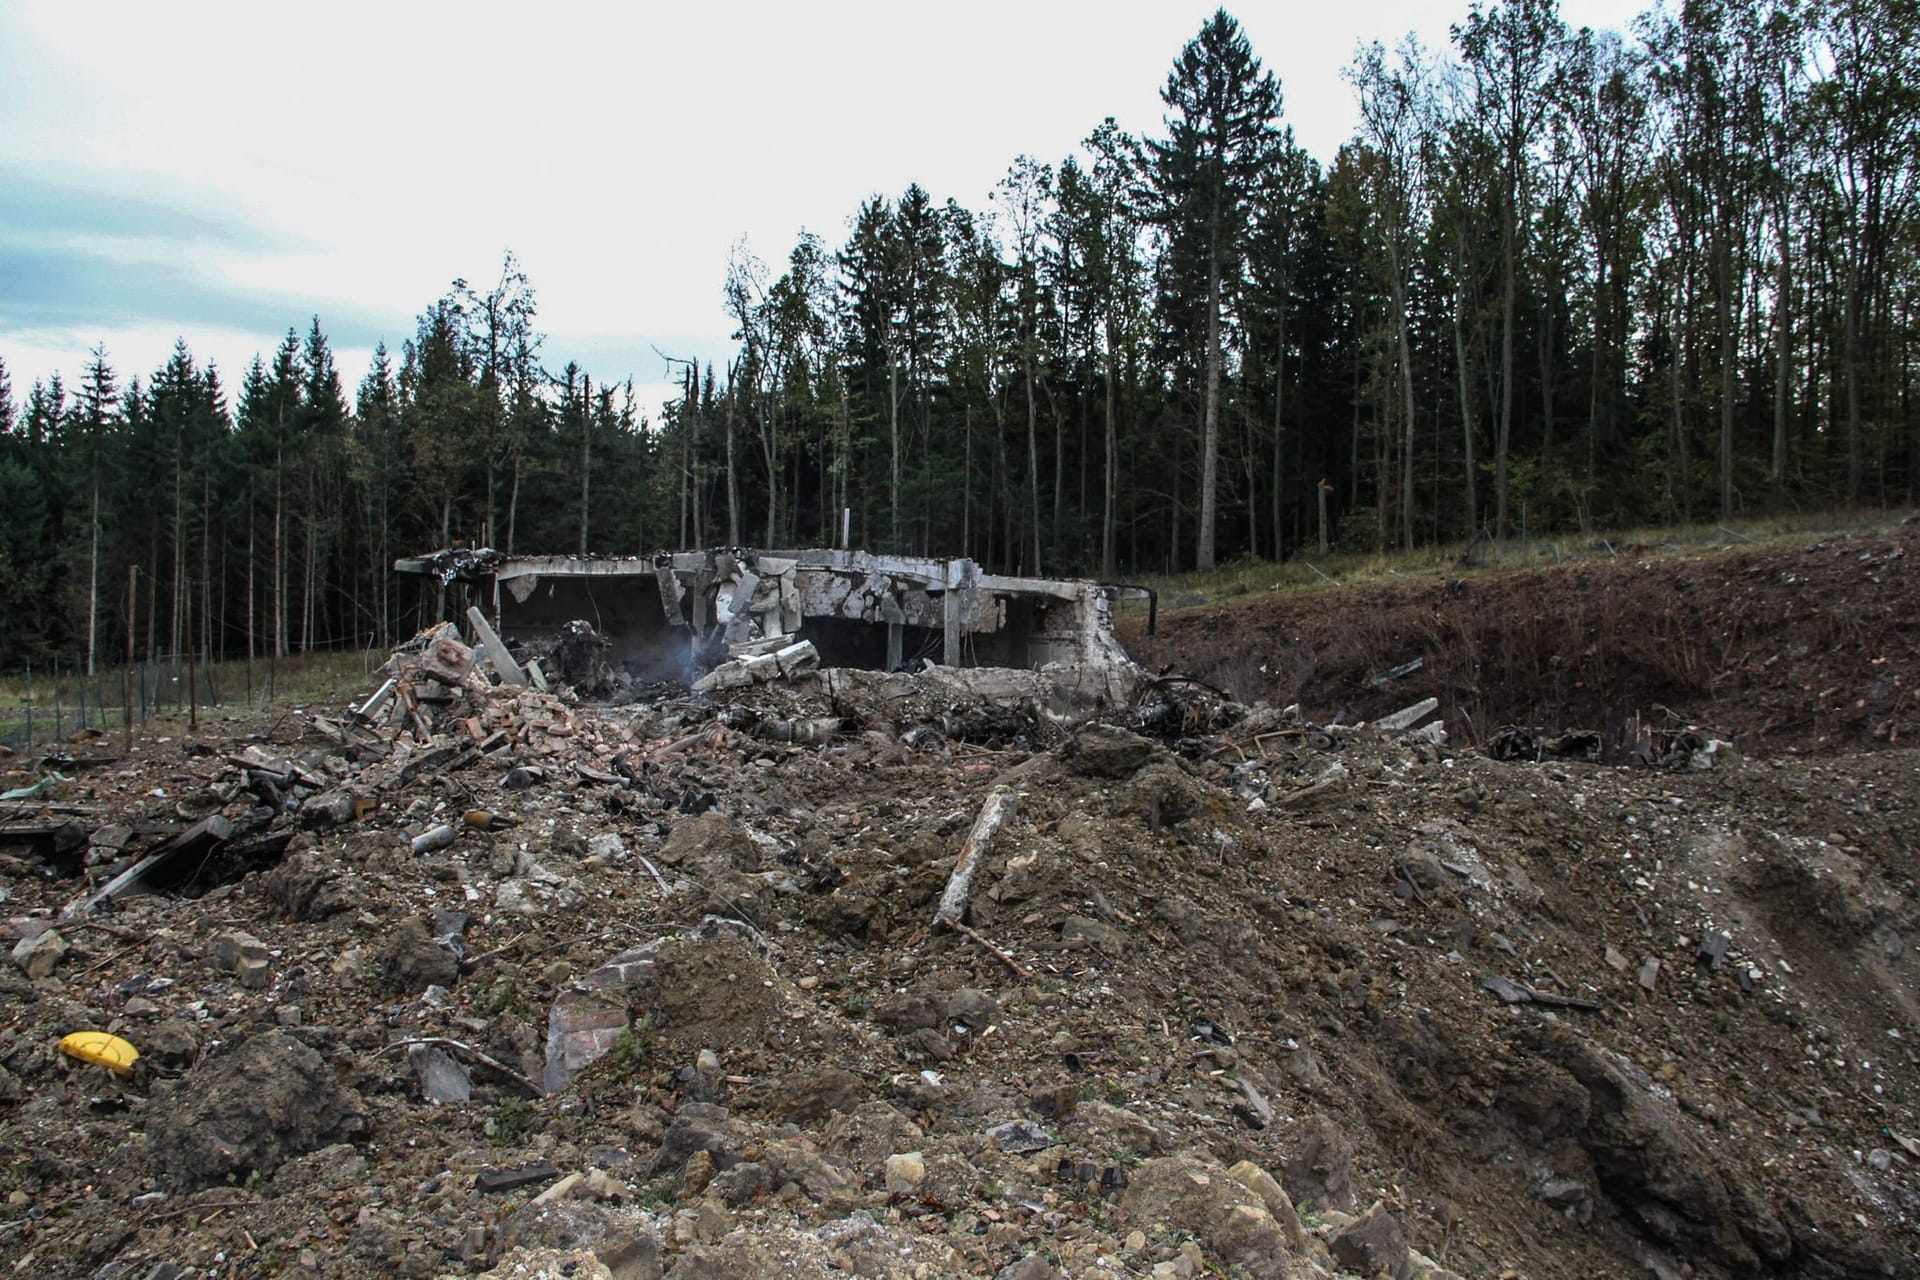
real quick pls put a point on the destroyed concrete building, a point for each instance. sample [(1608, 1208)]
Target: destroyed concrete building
[(736, 615)]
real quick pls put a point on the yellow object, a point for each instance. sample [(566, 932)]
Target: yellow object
[(111, 1052)]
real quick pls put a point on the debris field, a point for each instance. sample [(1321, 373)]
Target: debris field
[(823, 972)]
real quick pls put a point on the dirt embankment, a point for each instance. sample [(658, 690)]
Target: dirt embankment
[(1808, 649), (527, 987)]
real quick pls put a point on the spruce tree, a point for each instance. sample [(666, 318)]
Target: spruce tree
[(1222, 136)]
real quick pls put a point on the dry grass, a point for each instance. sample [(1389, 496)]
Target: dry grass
[(1307, 571), (299, 680)]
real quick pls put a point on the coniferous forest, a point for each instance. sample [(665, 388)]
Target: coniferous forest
[(1557, 279)]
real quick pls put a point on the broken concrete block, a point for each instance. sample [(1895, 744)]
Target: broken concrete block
[(195, 842), (37, 956), (581, 1027), (447, 661), (330, 809), (230, 948), (441, 1078)]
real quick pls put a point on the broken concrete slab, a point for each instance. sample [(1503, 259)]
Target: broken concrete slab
[(861, 610), (202, 838), (441, 1077), (510, 671), (1407, 717)]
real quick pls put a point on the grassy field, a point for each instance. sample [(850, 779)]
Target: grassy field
[(301, 680), (1306, 570)]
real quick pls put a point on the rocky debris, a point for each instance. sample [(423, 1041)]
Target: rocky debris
[(1233, 942), (40, 952), (441, 1077), (1320, 1173), (1373, 1245), (250, 1110), (1198, 1196), (411, 960)]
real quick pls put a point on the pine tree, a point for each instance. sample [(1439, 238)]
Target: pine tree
[(1222, 137), (97, 409)]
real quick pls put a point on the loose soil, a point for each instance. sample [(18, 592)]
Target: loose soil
[(1807, 649), (1544, 1016)]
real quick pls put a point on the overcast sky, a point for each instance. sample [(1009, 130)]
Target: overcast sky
[(222, 171)]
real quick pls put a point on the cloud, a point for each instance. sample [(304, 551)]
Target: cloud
[(81, 285), (33, 207)]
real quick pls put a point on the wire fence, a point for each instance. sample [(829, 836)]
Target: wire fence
[(48, 704)]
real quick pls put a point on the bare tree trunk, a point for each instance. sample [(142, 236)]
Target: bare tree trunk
[(893, 434), (1210, 431), (1466, 423), (686, 458), (1173, 526), (174, 614), (773, 472), (1406, 391), (513, 499), (966, 487), (252, 556), (1279, 407), (1110, 470), (306, 576), (1033, 462), (1851, 358), (1503, 434), (93, 564), (586, 467), (279, 541), (1783, 357)]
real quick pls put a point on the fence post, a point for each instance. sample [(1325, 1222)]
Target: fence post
[(56, 698), (29, 706)]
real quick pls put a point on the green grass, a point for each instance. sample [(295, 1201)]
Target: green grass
[(300, 680), (1306, 570)]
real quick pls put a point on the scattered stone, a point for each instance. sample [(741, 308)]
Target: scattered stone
[(1373, 1245), (1113, 1131), (1034, 1266), (1185, 1193), (511, 1179), (39, 955), (904, 1172), (1021, 1137), (1261, 1183), (1320, 1174), (442, 1078), (411, 961), (809, 1097), (308, 885), (1106, 751), (1569, 1195)]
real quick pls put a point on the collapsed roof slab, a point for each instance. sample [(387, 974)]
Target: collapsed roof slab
[(859, 609)]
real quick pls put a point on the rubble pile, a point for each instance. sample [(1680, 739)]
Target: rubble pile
[(948, 973)]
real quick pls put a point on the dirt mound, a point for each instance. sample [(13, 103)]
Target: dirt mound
[(1810, 648), (249, 1111)]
